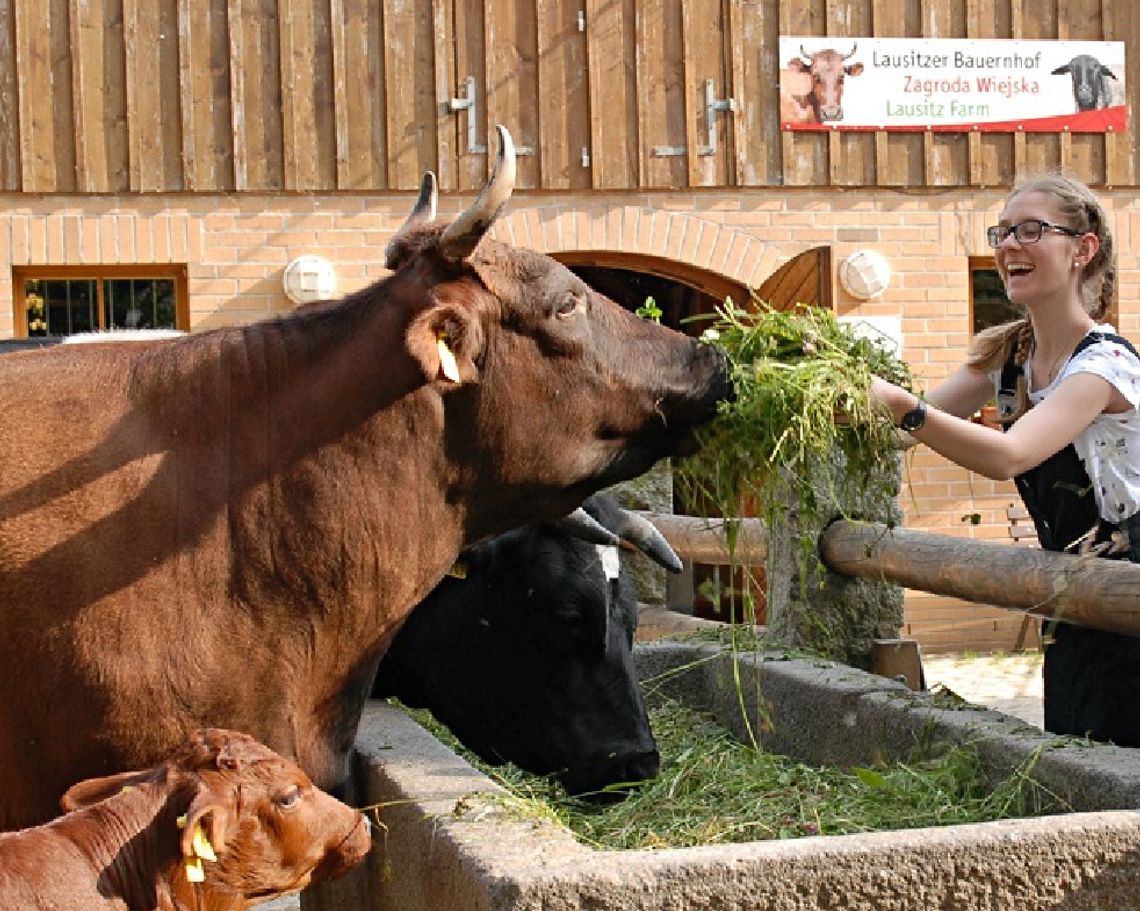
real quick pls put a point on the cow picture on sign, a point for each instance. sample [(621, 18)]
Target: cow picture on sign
[(811, 85)]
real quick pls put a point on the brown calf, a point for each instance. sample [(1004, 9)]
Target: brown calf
[(223, 823)]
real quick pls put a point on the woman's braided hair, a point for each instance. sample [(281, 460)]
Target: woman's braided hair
[(1082, 211)]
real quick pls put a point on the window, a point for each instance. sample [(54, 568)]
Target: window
[(988, 304), (58, 301)]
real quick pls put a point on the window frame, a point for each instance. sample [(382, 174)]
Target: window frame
[(99, 274)]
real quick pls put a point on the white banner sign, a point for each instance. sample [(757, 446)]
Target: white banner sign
[(949, 84)]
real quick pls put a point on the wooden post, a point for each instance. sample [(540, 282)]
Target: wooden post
[(1087, 590)]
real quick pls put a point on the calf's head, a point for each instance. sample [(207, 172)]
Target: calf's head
[(547, 386), (236, 820)]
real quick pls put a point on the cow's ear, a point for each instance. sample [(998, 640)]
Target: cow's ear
[(1060, 71), (205, 827), (445, 340), (93, 790)]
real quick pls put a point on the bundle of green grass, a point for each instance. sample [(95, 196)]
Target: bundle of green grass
[(801, 381)]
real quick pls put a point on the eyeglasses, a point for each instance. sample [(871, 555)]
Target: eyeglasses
[(1025, 232)]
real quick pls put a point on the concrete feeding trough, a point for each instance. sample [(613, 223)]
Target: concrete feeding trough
[(444, 848)]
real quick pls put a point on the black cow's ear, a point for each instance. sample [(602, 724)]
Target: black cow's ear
[(445, 340)]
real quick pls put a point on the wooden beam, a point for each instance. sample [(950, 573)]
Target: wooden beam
[(705, 540), (1086, 590)]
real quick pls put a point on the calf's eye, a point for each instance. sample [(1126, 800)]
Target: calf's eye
[(289, 799)]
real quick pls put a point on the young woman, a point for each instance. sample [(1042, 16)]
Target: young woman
[(1068, 391)]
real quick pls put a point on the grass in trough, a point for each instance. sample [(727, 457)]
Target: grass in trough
[(713, 789)]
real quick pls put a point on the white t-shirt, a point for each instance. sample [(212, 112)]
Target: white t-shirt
[(1110, 446)]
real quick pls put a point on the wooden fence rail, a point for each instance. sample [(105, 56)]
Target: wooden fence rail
[(1088, 590)]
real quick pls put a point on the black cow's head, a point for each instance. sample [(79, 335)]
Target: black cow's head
[(1088, 74), (528, 658)]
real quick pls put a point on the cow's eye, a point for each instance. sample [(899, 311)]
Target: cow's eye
[(569, 305), (289, 799)]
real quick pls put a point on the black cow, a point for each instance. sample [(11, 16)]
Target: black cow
[(527, 657), (1088, 74)]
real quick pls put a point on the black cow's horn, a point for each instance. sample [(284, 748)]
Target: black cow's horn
[(582, 525), (643, 535), (463, 235), (853, 49)]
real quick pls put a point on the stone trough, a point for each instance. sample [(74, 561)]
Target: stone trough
[(446, 849)]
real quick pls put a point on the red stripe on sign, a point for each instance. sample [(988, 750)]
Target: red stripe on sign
[(1105, 120)]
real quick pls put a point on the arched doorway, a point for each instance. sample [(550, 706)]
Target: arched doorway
[(682, 292)]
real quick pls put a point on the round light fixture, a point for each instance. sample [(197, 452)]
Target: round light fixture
[(309, 278), (865, 274)]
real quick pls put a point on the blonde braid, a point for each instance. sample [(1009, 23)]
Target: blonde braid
[(1104, 299)]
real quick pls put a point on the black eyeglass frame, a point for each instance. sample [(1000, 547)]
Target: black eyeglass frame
[(996, 235)]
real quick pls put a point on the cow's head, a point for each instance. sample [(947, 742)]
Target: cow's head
[(240, 820), (1088, 75), (528, 657), (828, 70), (546, 385)]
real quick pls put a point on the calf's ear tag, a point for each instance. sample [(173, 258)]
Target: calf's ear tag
[(447, 363)]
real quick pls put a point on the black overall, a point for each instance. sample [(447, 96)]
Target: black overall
[(1092, 678)]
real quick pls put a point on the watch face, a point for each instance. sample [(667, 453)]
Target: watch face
[(913, 420)]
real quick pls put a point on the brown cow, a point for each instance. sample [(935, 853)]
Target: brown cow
[(225, 822), (227, 529), (828, 70)]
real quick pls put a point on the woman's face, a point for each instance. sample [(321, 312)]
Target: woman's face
[(1048, 267)]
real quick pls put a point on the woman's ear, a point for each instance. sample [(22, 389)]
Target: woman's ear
[(1087, 246)]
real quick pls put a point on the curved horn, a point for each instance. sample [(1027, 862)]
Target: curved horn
[(424, 209), (644, 535), (805, 54), (422, 212), (853, 49), (464, 234), (582, 525)]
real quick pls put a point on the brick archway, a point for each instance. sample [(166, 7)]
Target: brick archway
[(711, 257)]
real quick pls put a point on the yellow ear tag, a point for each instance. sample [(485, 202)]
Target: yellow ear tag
[(194, 871), (447, 363), (200, 845), (458, 570)]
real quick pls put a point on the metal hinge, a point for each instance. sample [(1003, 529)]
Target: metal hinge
[(712, 106), (467, 103)]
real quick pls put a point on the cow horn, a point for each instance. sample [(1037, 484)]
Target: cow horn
[(853, 50), (644, 535), (464, 234), (582, 525), (422, 212), (424, 209)]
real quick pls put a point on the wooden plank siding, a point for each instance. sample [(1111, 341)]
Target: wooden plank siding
[(299, 96)]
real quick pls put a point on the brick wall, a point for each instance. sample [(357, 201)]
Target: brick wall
[(237, 247)]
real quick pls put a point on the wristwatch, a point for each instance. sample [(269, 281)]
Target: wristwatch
[(915, 418)]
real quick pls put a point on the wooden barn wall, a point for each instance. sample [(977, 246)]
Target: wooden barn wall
[(152, 96)]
